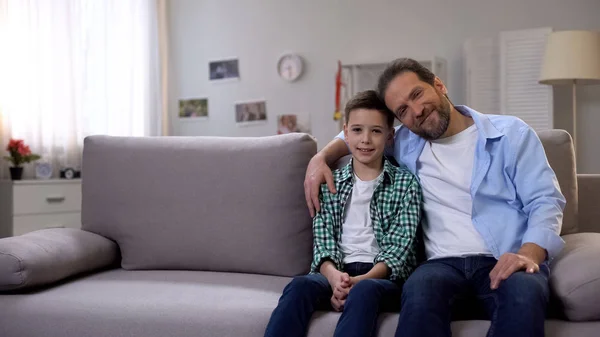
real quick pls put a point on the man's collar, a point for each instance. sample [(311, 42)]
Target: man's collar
[(484, 125)]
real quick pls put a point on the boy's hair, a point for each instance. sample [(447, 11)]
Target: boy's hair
[(369, 100)]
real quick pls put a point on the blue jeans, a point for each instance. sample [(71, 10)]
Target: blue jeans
[(308, 293), (437, 288)]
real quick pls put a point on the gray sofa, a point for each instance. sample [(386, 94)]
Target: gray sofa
[(198, 236)]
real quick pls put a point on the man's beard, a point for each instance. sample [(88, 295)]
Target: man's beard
[(443, 110)]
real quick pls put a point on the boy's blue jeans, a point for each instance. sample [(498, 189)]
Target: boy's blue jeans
[(440, 287), (308, 293)]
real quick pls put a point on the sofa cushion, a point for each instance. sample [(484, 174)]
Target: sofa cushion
[(589, 210), (575, 276), (121, 303), (559, 151), (201, 203), (49, 255)]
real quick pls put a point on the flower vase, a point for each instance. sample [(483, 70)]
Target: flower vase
[(16, 173)]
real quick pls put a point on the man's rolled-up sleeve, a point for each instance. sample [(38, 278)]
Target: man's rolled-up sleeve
[(538, 189)]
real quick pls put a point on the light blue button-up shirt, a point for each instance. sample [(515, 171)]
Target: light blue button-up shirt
[(515, 193)]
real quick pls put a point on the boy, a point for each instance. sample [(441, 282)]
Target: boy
[(364, 235)]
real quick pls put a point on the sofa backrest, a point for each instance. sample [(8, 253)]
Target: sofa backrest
[(201, 203), (561, 156)]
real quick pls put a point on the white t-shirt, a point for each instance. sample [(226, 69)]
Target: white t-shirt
[(358, 239), (445, 168)]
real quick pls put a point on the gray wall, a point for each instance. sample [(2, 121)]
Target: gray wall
[(323, 31)]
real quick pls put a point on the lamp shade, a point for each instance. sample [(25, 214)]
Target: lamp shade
[(572, 55)]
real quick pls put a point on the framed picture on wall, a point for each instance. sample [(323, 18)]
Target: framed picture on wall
[(250, 112), (292, 123), (224, 70), (193, 108)]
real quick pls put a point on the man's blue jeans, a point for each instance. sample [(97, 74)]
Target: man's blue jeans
[(308, 293), (438, 287)]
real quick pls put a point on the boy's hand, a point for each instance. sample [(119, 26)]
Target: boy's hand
[(337, 305), (342, 289), (354, 280), (340, 285)]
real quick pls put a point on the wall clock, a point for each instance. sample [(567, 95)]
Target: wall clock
[(290, 67)]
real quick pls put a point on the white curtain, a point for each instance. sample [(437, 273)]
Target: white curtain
[(73, 68)]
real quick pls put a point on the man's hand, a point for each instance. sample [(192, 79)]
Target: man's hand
[(508, 264), (317, 173)]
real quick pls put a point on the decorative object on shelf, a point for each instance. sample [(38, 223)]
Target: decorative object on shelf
[(250, 113), (337, 114), (193, 108), (224, 70), (43, 170), (70, 173), (290, 67), (19, 154), (572, 57)]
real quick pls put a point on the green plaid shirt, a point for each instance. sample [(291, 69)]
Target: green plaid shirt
[(395, 211)]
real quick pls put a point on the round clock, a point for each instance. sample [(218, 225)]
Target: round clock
[(290, 67), (43, 170), (69, 173)]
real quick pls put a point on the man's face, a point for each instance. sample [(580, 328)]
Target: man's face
[(366, 133), (422, 108)]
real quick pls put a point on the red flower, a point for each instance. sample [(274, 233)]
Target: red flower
[(23, 150), (14, 144), (19, 153)]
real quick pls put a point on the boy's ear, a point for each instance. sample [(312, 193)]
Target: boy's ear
[(346, 131), (390, 139)]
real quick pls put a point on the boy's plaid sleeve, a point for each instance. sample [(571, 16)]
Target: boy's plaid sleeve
[(324, 239), (398, 248)]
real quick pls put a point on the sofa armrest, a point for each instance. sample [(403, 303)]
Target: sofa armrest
[(589, 202), (50, 255), (575, 276)]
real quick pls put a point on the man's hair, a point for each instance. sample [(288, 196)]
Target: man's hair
[(369, 100), (398, 67)]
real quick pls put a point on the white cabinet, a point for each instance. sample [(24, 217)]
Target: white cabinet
[(29, 205)]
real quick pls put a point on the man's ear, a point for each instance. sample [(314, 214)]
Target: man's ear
[(440, 86)]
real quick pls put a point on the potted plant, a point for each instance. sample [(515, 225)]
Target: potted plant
[(19, 155)]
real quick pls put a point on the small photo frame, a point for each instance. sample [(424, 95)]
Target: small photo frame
[(251, 113), (193, 108), (292, 123), (224, 70)]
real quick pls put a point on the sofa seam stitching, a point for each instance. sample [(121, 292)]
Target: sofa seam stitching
[(581, 285)]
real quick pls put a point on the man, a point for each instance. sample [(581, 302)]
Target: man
[(493, 207)]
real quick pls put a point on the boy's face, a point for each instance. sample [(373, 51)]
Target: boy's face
[(367, 133)]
